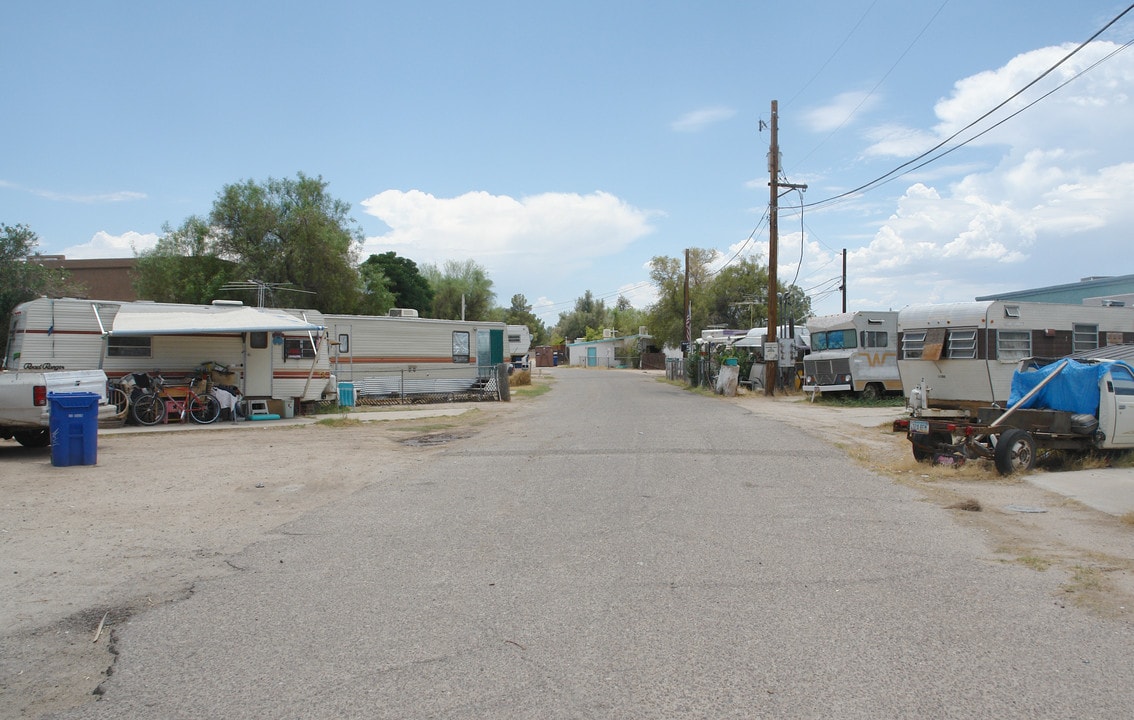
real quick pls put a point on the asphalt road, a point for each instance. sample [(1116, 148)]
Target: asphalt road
[(622, 548)]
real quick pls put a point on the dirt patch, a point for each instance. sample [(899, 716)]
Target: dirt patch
[(87, 547)]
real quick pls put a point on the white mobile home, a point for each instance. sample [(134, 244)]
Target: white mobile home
[(277, 354), (519, 345), (962, 355), (402, 354), (855, 352)]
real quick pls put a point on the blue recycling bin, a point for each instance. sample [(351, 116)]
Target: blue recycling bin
[(73, 422), (346, 394)]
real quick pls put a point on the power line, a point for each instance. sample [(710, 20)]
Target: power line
[(903, 167)]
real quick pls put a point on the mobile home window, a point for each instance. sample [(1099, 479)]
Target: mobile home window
[(344, 343), (1085, 337), (128, 346), (258, 340), (961, 344), (298, 349), (513, 338), (875, 338), (913, 342), (460, 347), (1013, 344)]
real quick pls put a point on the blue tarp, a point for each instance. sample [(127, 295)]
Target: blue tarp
[(1075, 390)]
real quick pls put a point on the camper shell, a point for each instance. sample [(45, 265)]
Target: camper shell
[(853, 352), (269, 353), (954, 358), (401, 355)]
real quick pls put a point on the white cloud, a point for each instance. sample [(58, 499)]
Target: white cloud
[(1045, 199), (550, 235), (698, 120), (105, 245), (839, 111)]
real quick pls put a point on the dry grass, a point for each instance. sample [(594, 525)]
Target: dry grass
[(520, 377), (1128, 518)]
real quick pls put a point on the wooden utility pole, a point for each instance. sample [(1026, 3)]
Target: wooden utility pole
[(844, 285), (773, 250), (688, 313)]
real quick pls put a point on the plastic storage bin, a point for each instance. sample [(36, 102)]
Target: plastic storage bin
[(346, 394), (74, 428)]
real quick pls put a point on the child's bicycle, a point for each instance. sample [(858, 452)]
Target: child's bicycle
[(161, 402)]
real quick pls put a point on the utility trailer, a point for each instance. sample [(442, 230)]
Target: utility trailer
[(1071, 404)]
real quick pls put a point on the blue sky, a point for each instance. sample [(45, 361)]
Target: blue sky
[(563, 145)]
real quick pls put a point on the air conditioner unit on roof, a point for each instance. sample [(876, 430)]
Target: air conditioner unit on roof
[(403, 312)]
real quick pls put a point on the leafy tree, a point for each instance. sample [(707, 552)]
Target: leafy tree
[(625, 318), (184, 266), (735, 297), (409, 288), (377, 297), (463, 288), (520, 313), (588, 313), (291, 231), (23, 279)]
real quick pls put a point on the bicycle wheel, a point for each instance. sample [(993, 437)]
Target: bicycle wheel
[(148, 409), (204, 409)]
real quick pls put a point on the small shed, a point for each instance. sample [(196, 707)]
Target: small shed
[(609, 352)]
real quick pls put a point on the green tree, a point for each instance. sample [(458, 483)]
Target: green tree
[(291, 232), (462, 289), (184, 266), (625, 318), (520, 313), (666, 317), (410, 289), (23, 279), (377, 297), (588, 313), (735, 297)]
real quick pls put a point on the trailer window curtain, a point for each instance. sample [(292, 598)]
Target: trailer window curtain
[(1013, 344), (461, 346), (128, 346)]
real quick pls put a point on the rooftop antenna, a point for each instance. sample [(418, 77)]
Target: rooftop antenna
[(263, 289)]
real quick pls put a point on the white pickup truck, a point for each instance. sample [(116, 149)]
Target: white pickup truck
[(25, 411)]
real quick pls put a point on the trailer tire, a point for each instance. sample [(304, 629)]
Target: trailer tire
[(872, 391), (1015, 451), (921, 453)]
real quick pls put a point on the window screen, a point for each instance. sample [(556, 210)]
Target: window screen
[(1013, 344), (961, 344), (913, 342)]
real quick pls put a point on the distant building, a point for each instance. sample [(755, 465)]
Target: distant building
[(1113, 290), (103, 279)]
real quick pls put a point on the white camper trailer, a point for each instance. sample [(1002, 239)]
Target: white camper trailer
[(402, 355), (276, 354), (961, 356), (853, 352), (519, 345)]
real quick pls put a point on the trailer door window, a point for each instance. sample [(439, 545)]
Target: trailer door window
[(461, 347), (913, 343), (961, 344), (1085, 337), (1013, 344), (130, 346)]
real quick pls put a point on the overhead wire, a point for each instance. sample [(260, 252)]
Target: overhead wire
[(900, 168)]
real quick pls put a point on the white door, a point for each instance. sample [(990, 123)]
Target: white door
[(258, 364), (1123, 382)]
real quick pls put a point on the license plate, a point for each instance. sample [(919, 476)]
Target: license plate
[(920, 427)]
